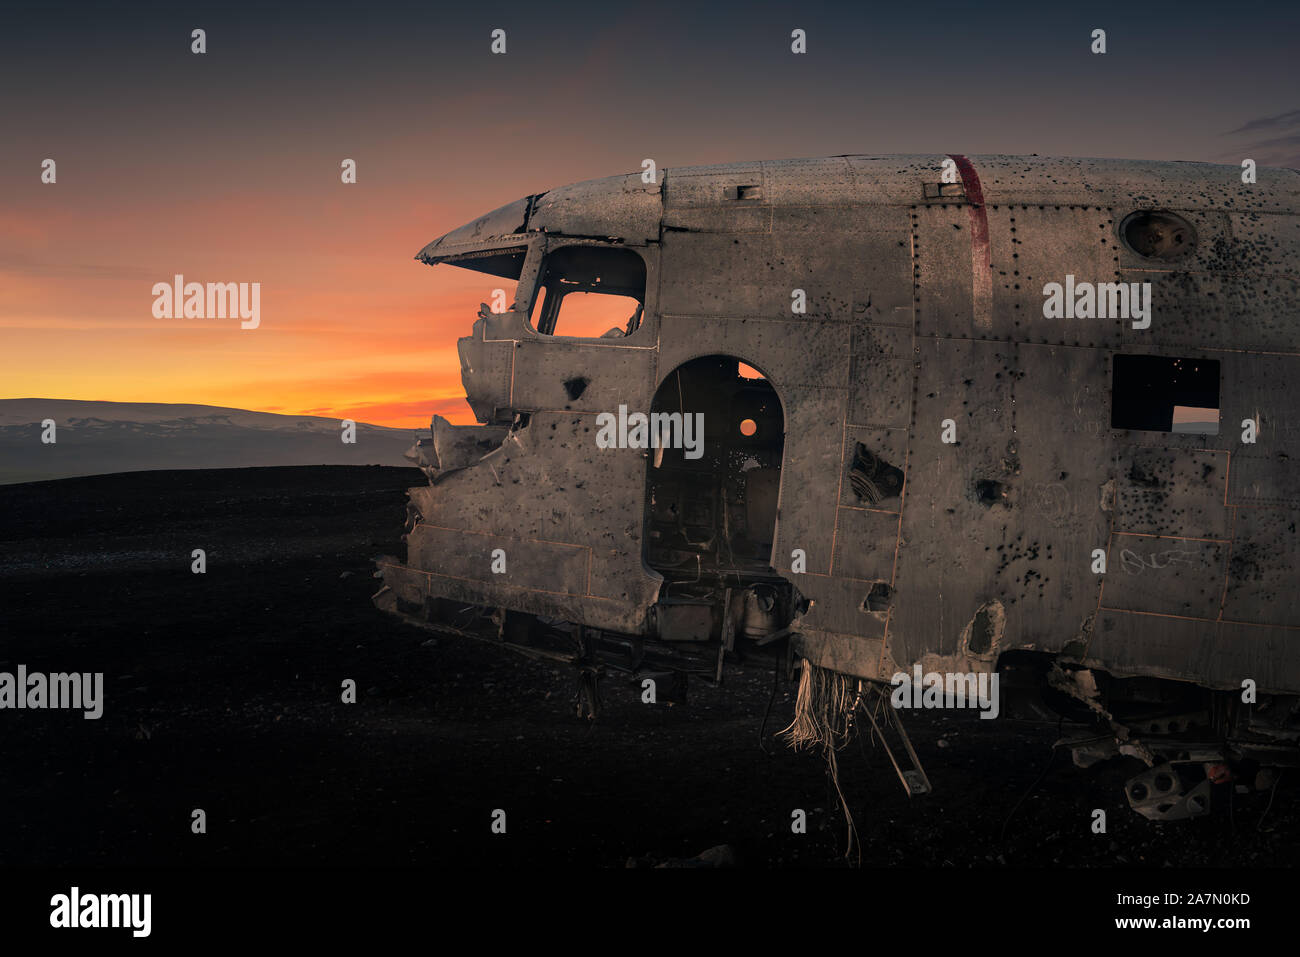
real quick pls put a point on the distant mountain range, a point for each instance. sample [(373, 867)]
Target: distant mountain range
[(96, 438)]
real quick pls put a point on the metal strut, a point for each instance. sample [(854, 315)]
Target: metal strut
[(872, 698)]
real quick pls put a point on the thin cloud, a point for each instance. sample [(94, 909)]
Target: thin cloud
[(1279, 145), (22, 266), (1281, 121)]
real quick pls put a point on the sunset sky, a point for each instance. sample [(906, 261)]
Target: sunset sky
[(225, 166)]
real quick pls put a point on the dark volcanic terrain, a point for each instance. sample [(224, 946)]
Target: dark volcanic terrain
[(222, 692)]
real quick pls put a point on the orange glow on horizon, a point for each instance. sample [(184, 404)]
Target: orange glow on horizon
[(355, 329)]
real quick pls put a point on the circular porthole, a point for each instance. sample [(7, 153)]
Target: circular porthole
[(1155, 234)]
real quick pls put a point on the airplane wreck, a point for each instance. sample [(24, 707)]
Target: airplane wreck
[(996, 415)]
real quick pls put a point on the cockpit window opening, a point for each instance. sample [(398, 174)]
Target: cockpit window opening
[(590, 292)]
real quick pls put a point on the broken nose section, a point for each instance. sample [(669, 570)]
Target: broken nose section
[(451, 447)]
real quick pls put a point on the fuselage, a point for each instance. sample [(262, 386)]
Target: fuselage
[(999, 404)]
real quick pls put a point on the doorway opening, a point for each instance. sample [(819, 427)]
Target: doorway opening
[(711, 510)]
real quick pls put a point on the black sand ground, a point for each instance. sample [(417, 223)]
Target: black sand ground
[(223, 693)]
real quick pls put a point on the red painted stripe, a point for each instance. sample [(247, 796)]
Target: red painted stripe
[(981, 274)]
